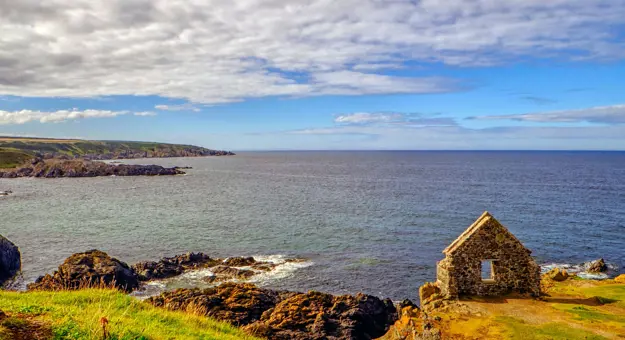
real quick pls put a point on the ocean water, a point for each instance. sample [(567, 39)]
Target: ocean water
[(373, 222)]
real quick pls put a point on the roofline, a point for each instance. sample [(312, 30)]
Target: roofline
[(478, 223)]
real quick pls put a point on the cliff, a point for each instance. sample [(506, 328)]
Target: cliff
[(14, 149)]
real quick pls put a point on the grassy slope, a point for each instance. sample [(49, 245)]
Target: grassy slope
[(76, 147), (10, 158), (76, 315)]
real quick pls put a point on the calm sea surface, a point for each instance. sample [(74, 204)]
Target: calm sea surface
[(366, 221)]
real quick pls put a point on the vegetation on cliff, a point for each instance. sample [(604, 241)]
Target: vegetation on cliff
[(83, 314), (13, 150)]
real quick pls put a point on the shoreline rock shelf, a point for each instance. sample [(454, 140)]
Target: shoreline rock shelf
[(55, 168)]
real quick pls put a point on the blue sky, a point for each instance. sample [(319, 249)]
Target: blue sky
[(318, 74)]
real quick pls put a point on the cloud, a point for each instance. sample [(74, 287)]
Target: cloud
[(393, 118), (26, 116), (614, 114), (145, 113), (183, 107), (539, 100), (223, 51)]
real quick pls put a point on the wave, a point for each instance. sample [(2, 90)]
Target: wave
[(284, 267), (580, 270)]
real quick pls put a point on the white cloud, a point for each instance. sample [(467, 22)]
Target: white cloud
[(219, 51), (26, 116), (614, 114), (183, 107), (145, 113), (367, 118)]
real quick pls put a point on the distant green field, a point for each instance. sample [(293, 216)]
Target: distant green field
[(79, 148), (10, 158)]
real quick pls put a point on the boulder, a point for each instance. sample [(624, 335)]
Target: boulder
[(556, 274), (89, 269), (10, 260), (428, 292), (173, 266), (620, 279), (597, 266), (239, 304), (322, 316), (286, 315)]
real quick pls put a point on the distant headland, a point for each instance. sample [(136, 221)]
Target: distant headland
[(46, 157)]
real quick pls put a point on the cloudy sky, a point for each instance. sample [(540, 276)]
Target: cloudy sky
[(317, 74)]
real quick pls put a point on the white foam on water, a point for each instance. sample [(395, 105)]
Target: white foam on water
[(580, 270), (284, 267)]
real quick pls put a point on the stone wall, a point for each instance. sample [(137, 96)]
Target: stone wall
[(514, 270)]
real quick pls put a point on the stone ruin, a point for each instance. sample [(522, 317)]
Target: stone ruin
[(487, 260)]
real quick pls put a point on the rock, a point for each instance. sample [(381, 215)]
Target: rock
[(620, 279), (53, 168), (10, 260), (224, 273), (91, 268), (239, 304), (323, 316), (173, 266), (264, 266), (556, 274), (286, 315), (428, 292), (597, 266), (239, 261)]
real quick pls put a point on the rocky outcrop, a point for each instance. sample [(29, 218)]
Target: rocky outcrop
[(239, 304), (286, 315), (225, 273), (54, 168), (620, 279), (173, 266), (323, 316), (597, 266), (93, 268), (556, 274), (10, 260)]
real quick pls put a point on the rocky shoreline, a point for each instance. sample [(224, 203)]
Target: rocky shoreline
[(56, 168), (261, 312)]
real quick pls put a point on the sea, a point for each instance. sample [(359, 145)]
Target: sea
[(359, 221)]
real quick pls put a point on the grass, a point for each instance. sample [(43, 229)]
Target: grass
[(519, 329), (10, 158), (77, 315)]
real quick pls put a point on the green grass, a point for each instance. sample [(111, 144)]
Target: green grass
[(10, 158), (76, 315), (518, 329)]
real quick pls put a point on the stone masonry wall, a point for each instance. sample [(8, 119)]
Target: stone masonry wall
[(513, 269)]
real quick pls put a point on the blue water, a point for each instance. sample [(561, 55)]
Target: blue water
[(366, 221)]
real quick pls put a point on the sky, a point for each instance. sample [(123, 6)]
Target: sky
[(317, 74)]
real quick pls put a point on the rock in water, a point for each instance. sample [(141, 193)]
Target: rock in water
[(286, 315), (172, 266), (91, 268), (10, 260), (597, 266)]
